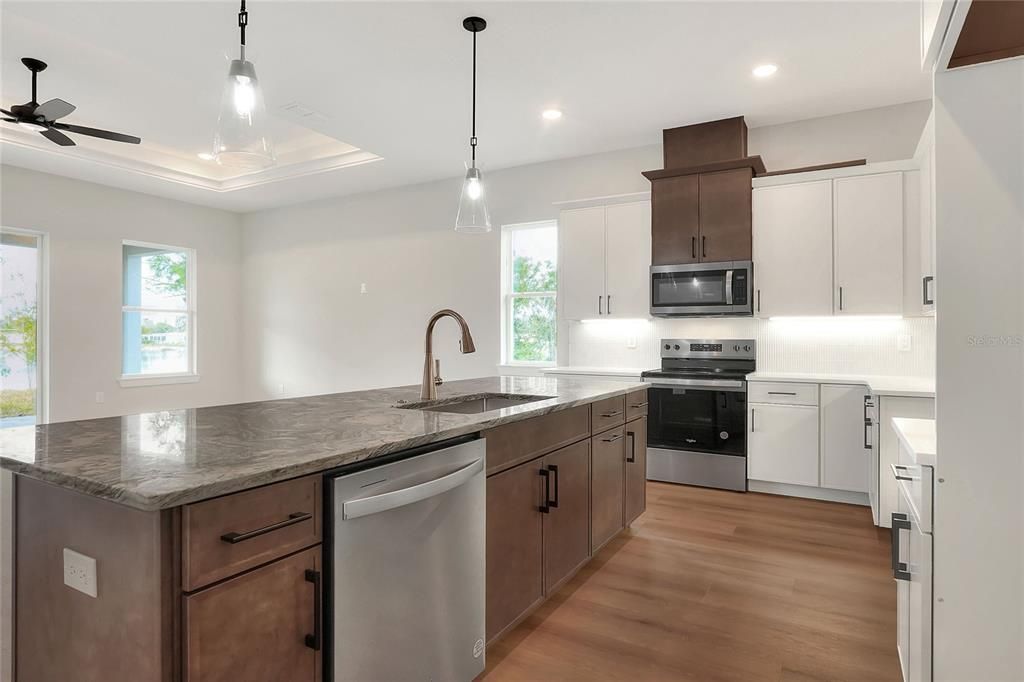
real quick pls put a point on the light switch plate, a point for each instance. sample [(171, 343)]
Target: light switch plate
[(80, 572)]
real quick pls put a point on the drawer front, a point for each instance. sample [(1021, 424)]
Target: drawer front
[(518, 442), (604, 414), (227, 535), (782, 393), (636, 404)]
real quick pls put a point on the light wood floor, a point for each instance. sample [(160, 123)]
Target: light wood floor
[(712, 585)]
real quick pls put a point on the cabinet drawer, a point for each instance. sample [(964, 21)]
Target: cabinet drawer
[(518, 442), (230, 534), (608, 413), (636, 404), (782, 393)]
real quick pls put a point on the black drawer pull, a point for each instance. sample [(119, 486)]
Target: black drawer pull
[(235, 538), (613, 413), (546, 507), (314, 640), (900, 571), (637, 406), (614, 438), (553, 503), (781, 392)]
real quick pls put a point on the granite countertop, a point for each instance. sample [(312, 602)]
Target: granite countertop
[(911, 387), (918, 437), (597, 371), (159, 460)]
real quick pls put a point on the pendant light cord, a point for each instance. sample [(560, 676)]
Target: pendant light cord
[(472, 139), (243, 21)]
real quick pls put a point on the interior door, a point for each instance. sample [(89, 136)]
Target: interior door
[(628, 259), (725, 216), (581, 255), (606, 490), (636, 470), (793, 249), (675, 220), (567, 522), (869, 244), (844, 459)]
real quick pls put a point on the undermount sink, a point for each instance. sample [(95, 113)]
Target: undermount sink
[(474, 404)]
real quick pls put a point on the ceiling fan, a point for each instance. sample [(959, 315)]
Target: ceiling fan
[(43, 117)]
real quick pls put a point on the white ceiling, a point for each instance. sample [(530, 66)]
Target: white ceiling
[(392, 79)]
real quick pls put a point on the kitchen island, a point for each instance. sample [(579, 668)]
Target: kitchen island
[(160, 500)]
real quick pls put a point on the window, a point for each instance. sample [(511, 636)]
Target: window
[(158, 313), (529, 255), (22, 400)]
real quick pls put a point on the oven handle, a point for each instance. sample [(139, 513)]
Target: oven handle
[(729, 386)]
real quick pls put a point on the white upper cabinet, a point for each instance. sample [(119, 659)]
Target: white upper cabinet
[(793, 249), (844, 457), (868, 232), (628, 260), (604, 261)]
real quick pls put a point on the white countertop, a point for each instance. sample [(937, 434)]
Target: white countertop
[(918, 437), (911, 387), (598, 371)]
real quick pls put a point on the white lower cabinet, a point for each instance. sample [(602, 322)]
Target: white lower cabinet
[(913, 570), (889, 446), (782, 443), (845, 445)]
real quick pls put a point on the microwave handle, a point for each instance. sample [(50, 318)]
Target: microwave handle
[(728, 287)]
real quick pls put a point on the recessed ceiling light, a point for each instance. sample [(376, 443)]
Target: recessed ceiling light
[(552, 114), (765, 70), (205, 156)]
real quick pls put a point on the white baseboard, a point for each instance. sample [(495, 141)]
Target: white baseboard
[(826, 494)]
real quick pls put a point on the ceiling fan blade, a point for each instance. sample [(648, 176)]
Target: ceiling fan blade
[(54, 109), (57, 137), (95, 132)]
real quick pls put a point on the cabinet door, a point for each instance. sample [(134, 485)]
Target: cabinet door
[(919, 603), (783, 444), (628, 260), (926, 202), (869, 244), (793, 249), (581, 263), (844, 459), (567, 523), (675, 220), (514, 545), (725, 216), (607, 485), (254, 627), (636, 469)]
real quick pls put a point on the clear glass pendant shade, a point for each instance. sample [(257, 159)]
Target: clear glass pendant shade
[(241, 140), (473, 217)]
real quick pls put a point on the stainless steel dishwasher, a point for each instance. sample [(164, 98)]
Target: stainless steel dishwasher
[(406, 586)]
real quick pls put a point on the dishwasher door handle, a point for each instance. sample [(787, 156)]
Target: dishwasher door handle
[(400, 498)]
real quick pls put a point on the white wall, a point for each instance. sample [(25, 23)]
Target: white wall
[(979, 508), (309, 330), (85, 224)]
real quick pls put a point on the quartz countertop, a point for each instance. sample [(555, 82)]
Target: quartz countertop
[(918, 437), (911, 387), (597, 371), (159, 460)]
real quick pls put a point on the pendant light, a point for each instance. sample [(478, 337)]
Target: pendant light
[(241, 140), (473, 217)]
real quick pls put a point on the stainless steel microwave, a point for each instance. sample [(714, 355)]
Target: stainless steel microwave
[(701, 289)]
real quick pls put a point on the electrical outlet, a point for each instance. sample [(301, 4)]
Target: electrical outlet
[(80, 572), (100, 397), (631, 341), (362, 288), (903, 343)]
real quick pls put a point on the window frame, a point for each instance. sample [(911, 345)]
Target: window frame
[(508, 296), (190, 310)]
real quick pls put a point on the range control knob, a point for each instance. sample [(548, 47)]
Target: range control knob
[(667, 347), (736, 348), (747, 347), (676, 346)]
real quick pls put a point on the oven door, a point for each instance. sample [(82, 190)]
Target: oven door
[(701, 289), (697, 416)]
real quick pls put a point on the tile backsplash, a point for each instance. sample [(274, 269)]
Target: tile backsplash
[(837, 345)]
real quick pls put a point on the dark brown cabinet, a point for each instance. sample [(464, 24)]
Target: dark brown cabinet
[(725, 215), (635, 501), (606, 487), (259, 626), (567, 521), (675, 220), (515, 545)]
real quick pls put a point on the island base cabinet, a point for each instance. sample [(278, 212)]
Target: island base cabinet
[(635, 501), (607, 486), (259, 626), (515, 545), (567, 520)]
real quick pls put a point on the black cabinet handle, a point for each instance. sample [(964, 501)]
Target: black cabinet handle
[(840, 298), (609, 306), (867, 430), (613, 413), (703, 246), (546, 508), (600, 299), (314, 640), (632, 446), (758, 300), (553, 502), (614, 438), (637, 406), (235, 538), (781, 392), (924, 290), (693, 247), (899, 569)]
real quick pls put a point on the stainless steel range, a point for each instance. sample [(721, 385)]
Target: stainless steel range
[(697, 412)]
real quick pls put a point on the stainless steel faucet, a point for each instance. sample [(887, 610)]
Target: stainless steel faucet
[(431, 371)]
